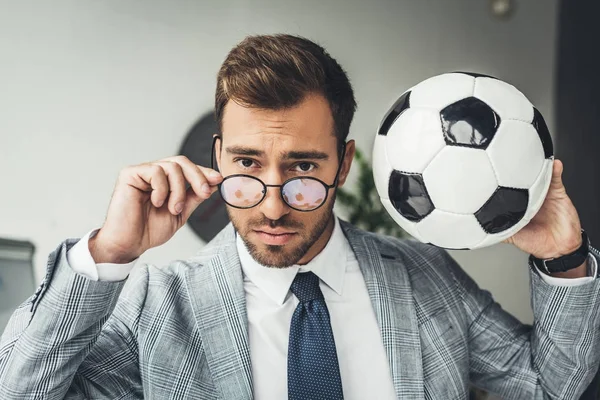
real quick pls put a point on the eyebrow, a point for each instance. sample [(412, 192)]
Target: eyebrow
[(243, 151), (290, 155)]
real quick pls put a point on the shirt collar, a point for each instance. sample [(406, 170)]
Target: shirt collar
[(329, 265)]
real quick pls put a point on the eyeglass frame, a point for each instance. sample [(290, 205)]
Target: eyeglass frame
[(265, 186)]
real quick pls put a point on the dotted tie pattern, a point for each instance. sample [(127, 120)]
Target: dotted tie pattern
[(313, 368)]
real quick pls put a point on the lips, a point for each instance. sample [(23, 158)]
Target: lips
[(274, 231), (274, 237)]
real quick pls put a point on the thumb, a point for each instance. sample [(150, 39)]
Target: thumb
[(557, 189), (557, 170), (192, 201)]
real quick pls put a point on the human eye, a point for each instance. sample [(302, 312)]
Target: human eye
[(245, 163), (305, 167)]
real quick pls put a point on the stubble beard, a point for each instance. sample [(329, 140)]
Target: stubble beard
[(274, 256)]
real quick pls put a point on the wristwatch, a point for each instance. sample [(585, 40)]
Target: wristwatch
[(567, 261)]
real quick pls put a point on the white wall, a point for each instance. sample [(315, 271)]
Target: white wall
[(88, 87)]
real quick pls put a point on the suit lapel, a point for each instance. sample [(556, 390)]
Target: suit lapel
[(218, 300), (390, 291)]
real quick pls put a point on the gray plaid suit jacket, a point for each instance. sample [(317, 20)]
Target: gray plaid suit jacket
[(180, 332)]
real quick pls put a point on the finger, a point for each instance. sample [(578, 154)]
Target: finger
[(149, 177), (557, 187), (198, 176), (177, 186), (557, 170), (192, 202), (214, 177)]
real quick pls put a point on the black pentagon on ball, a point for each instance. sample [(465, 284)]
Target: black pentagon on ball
[(392, 115), (503, 210), (475, 74), (542, 129), (409, 196), (469, 122)]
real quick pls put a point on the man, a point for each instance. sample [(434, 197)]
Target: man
[(288, 301)]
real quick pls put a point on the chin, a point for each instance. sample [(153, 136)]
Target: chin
[(276, 256)]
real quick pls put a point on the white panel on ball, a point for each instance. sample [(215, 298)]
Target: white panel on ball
[(517, 154), (538, 191), (460, 179), (441, 91), (505, 99), (381, 167), (414, 139), (408, 226), (450, 230)]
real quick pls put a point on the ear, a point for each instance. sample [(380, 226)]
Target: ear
[(216, 152), (347, 163)]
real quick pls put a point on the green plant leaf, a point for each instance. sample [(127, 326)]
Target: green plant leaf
[(363, 204)]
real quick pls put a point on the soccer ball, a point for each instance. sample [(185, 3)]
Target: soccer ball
[(462, 161)]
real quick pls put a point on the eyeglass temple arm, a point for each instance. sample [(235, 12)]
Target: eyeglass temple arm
[(337, 175)]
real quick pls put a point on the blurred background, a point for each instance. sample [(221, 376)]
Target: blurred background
[(89, 87)]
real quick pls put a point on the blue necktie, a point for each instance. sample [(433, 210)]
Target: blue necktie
[(313, 369)]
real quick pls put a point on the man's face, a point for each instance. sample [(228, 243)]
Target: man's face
[(275, 146)]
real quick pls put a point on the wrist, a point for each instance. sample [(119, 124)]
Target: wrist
[(571, 264), (568, 247), (103, 251)]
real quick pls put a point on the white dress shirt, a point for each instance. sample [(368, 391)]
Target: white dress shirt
[(364, 368)]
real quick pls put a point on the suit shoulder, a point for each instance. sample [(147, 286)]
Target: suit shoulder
[(420, 259), (407, 248), (157, 282), (178, 267), (161, 278), (173, 273), (172, 268), (433, 274)]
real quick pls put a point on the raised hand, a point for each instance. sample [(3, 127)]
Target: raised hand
[(149, 204), (555, 230)]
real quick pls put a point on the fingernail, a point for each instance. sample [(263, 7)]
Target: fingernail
[(214, 174), (178, 207), (205, 188)]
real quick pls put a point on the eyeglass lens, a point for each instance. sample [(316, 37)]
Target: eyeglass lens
[(303, 194)]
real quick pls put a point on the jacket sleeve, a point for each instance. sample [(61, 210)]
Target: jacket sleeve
[(65, 341), (556, 358)]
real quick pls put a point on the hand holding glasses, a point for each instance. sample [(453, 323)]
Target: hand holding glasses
[(302, 193)]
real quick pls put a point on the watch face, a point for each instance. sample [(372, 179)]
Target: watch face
[(211, 216)]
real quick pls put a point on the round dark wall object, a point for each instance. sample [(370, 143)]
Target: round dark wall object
[(211, 216)]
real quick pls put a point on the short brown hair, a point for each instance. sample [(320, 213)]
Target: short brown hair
[(277, 71)]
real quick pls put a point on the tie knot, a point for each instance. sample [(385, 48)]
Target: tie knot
[(306, 287)]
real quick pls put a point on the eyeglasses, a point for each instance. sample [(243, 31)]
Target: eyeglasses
[(302, 193)]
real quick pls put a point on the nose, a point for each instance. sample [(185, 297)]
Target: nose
[(273, 206)]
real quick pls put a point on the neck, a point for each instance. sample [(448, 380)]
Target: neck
[(320, 244)]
